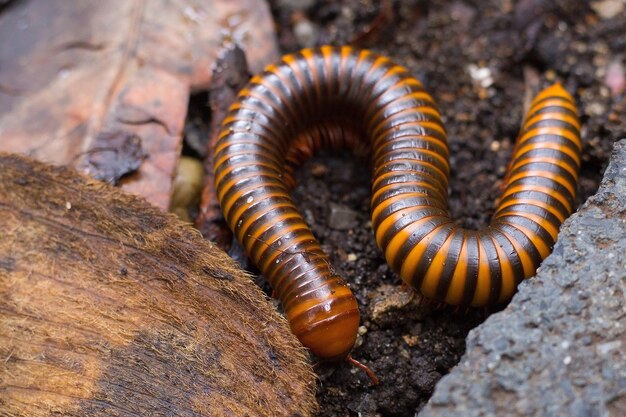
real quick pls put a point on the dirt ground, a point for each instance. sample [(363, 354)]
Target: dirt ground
[(481, 60)]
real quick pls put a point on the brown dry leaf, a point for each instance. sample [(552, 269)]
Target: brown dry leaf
[(108, 306), (104, 86)]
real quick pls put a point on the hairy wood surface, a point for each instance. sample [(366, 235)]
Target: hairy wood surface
[(110, 307), (104, 85)]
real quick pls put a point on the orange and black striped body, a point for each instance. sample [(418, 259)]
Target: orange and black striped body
[(343, 97)]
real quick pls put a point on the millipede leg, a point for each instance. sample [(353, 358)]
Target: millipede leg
[(368, 371)]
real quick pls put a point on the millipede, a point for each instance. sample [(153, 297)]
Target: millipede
[(341, 97)]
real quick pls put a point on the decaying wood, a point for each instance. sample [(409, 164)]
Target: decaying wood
[(230, 75), (78, 76), (110, 307)]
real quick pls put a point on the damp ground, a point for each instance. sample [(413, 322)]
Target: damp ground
[(481, 61)]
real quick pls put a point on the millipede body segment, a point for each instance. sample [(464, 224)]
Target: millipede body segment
[(342, 97)]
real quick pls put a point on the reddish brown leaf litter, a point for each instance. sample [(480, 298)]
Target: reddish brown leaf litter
[(77, 77), (110, 307)]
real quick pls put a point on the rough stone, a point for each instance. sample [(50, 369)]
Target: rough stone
[(559, 348)]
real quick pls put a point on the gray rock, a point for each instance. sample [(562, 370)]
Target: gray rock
[(559, 348)]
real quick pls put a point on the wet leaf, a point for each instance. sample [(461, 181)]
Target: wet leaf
[(76, 71)]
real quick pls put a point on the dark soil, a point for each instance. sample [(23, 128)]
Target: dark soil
[(525, 45)]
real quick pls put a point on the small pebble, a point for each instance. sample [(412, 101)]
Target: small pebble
[(462, 13), (595, 109), (187, 186), (615, 78), (387, 301), (482, 75), (410, 340), (463, 117), (405, 354), (341, 217), (607, 9), (304, 30), (319, 170)]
